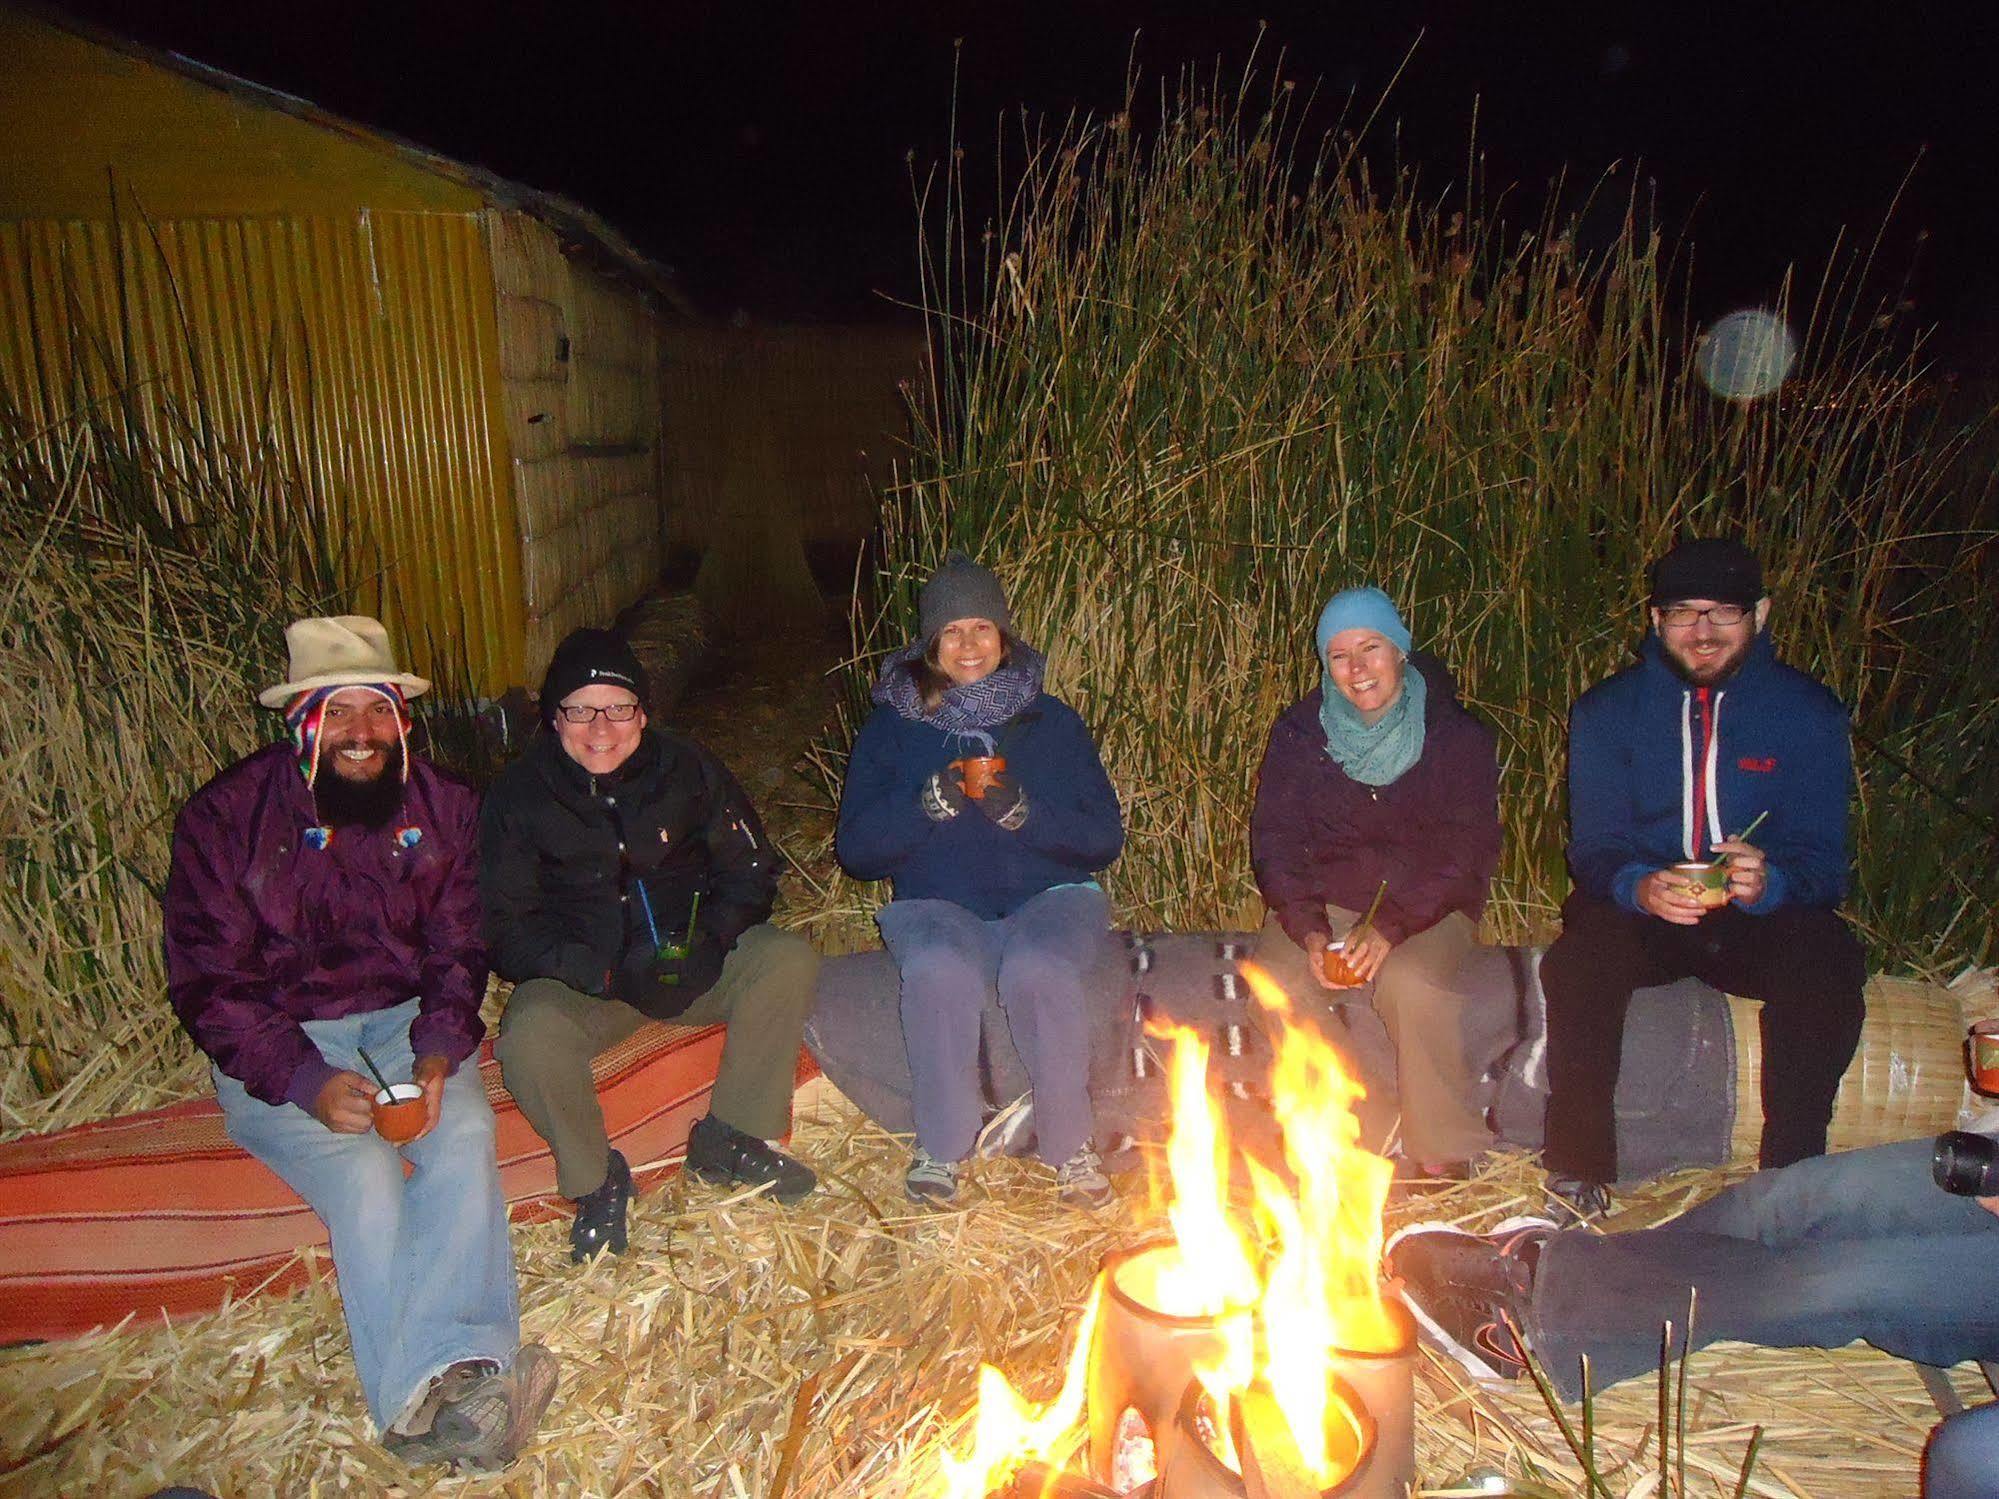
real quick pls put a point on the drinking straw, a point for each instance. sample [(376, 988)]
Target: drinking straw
[(693, 915), (1754, 823), (645, 904), (373, 1068), (1373, 906)]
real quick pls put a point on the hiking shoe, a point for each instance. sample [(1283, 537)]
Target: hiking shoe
[(724, 1155), (412, 1438), (1464, 1290), (1586, 1199), (1500, 1263), (599, 1223), (486, 1427), (929, 1181), (1081, 1183)]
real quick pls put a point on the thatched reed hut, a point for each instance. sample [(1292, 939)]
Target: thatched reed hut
[(464, 370)]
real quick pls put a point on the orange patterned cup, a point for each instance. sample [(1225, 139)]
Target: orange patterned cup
[(978, 773), (1706, 882), (1339, 972), (399, 1113), (1984, 1052)]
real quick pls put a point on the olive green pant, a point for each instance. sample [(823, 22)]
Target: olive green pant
[(1416, 996), (549, 1032)]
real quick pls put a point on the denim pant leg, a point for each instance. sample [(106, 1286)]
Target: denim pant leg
[(425, 1270), (1857, 1245), (1051, 945), (1963, 1457), (948, 960)]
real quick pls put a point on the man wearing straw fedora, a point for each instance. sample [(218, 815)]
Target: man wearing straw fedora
[(627, 878), (322, 940), (1708, 789)]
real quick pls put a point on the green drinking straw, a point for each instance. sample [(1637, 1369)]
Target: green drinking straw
[(373, 1068), (1743, 836)]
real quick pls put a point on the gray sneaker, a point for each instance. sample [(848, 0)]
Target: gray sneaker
[(486, 1427), (930, 1181), (1080, 1181)]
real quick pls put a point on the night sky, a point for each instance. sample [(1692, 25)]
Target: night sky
[(762, 149)]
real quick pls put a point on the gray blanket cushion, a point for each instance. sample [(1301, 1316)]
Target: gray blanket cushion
[(1675, 1094)]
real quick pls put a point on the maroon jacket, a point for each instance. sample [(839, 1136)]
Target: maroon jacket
[(264, 930), (1317, 836)]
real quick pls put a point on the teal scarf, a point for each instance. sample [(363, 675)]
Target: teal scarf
[(1375, 754)]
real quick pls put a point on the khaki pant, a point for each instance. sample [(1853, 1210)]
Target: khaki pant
[(1416, 996), (549, 1032)]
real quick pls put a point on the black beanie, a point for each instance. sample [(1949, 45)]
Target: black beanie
[(1713, 567), (961, 589), (585, 658)]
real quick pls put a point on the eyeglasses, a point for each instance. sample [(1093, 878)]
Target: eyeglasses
[(1682, 616), (616, 712)]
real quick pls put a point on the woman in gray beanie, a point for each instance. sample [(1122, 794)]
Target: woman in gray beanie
[(983, 799)]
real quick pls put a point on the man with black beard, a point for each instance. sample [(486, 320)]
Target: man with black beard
[(1670, 762), (323, 902)]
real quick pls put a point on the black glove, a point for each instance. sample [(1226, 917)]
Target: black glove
[(943, 796), (662, 987), (1005, 802)]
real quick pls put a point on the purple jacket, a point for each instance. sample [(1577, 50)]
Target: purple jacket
[(1317, 836), (264, 930)]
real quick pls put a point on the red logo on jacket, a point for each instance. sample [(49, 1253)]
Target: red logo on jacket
[(1762, 766)]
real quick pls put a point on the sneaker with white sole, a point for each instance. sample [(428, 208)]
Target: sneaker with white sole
[(929, 1181), (1470, 1292), (1081, 1183)]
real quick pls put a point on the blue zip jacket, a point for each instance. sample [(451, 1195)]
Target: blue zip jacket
[(1779, 744), (1073, 826)]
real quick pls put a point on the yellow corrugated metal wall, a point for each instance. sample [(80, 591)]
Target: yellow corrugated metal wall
[(365, 344)]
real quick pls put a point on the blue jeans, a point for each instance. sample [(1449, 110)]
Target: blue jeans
[(1963, 1457), (426, 1270), (1037, 960), (1857, 1245)]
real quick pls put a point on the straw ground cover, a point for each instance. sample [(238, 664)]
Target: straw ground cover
[(745, 1350), (1192, 379)]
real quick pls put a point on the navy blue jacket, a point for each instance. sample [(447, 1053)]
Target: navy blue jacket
[(1073, 826), (1780, 745)]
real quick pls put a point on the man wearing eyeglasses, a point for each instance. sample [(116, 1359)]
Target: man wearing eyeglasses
[(626, 878), (1670, 762)]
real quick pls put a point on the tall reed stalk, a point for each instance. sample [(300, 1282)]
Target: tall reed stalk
[(150, 562), (1193, 379)]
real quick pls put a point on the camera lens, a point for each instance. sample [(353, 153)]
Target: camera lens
[(1966, 1164)]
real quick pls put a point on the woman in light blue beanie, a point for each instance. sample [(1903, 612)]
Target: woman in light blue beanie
[(1380, 781)]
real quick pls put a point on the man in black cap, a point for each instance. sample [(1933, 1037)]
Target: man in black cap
[(1671, 761), (626, 878)]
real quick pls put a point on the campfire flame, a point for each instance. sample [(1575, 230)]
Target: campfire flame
[(1296, 1284)]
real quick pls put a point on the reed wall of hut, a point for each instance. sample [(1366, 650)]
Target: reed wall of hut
[(580, 382), (271, 278)]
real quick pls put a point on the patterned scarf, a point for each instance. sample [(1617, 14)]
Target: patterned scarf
[(1377, 753), (984, 704), (306, 710)]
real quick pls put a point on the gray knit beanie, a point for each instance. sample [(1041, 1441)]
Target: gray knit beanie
[(961, 589)]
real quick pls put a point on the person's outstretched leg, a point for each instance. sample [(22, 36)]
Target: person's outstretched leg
[(1420, 1003), (548, 1034)]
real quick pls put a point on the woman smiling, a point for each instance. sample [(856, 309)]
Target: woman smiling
[(1379, 783)]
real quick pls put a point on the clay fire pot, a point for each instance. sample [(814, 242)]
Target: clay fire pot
[(1140, 1358), (1386, 1384), (1190, 1469)]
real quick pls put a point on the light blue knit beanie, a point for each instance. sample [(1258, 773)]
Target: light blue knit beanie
[(1361, 609)]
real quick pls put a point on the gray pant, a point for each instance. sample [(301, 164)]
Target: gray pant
[(1039, 958), (550, 1031), (1418, 1000)]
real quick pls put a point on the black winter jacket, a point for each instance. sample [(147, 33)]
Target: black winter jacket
[(563, 855)]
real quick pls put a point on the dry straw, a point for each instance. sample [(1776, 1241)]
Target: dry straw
[(743, 1349)]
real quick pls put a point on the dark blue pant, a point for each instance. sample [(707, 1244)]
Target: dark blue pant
[(1803, 963), (1963, 1460), (1038, 959), (1857, 1245)]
